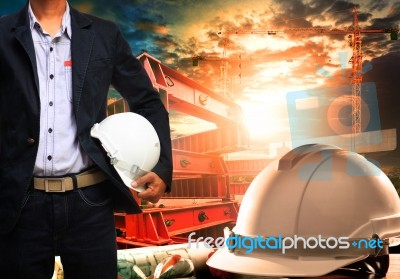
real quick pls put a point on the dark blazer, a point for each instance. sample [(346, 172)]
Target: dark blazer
[(100, 57)]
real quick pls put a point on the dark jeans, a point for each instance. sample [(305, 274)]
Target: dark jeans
[(77, 225)]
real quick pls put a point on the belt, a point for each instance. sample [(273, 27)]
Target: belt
[(68, 183)]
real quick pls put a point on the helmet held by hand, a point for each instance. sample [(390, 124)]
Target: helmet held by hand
[(131, 142)]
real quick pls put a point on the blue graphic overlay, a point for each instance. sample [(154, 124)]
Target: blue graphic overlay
[(324, 116)]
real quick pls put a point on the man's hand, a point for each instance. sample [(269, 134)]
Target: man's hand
[(155, 187)]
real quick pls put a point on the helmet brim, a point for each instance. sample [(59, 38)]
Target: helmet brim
[(277, 266), (128, 180)]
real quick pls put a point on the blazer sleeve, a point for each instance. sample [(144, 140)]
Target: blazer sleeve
[(131, 80)]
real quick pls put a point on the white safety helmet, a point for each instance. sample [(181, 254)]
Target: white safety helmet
[(131, 142), (314, 194)]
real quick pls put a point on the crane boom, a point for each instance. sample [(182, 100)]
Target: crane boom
[(310, 30)]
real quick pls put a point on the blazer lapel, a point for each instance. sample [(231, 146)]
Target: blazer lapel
[(24, 36), (81, 48)]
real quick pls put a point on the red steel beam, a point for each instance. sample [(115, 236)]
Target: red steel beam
[(187, 163), (158, 226), (231, 138)]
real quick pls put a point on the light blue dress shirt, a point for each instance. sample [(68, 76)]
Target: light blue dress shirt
[(59, 151)]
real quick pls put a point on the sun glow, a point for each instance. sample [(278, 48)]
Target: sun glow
[(253, 43), (275, 69), (265, 117)]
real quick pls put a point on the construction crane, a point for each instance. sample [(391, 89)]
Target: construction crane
[(356, 58), (226, 63)]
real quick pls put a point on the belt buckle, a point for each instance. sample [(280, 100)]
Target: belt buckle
[(51, 188)]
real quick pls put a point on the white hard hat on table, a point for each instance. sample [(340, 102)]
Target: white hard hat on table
[(313, 190)]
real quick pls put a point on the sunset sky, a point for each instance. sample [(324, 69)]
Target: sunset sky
[(264, 70)]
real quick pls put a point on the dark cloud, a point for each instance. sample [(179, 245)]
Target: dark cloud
[(385, 75), (291, 14), (376, 45), (391, 21), (377, 5)]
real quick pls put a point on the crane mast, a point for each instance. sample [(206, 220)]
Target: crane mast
[(356, 80)]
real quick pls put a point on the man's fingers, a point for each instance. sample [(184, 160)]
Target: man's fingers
[(147, 178), (145, 194), (149, 195), (154, 189)]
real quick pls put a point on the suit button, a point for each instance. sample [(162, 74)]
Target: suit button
[(30, 141)]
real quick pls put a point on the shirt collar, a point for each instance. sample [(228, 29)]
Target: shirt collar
[(65, 23)]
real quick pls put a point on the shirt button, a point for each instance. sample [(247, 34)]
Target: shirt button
[(51, 76), (50, 130), (30, 141), (51, 103), (49, 157)]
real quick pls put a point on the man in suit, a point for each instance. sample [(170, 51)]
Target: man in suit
[(58, 190)]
